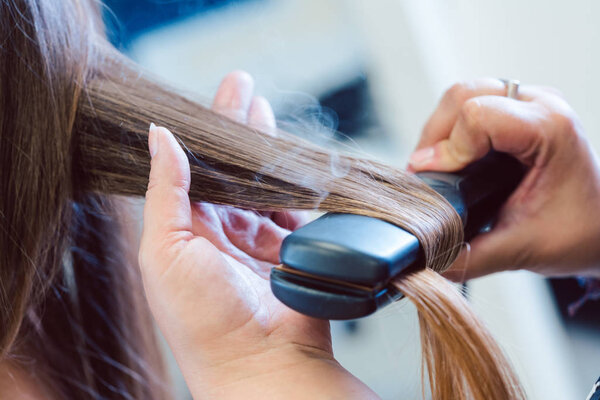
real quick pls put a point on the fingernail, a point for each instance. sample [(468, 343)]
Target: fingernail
[(153, 140), (234, 96), (422, 157)]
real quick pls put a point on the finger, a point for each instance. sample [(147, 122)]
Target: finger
[(167, 213), (440, 123), (291, 220), (484, 123), (498, 250), (260, 115), (252, 233), (210, 224), (234, 96), (444, 117)]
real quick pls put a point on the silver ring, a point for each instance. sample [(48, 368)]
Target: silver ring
[(512, 88)]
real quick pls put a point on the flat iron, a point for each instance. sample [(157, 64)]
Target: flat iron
[(340, 265)]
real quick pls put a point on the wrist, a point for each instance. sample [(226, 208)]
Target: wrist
[(292, 371)]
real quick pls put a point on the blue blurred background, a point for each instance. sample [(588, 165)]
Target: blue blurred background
[(376, 69)]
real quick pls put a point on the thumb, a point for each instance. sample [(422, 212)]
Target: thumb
[(495, 251), (485, 123), (167, 212)]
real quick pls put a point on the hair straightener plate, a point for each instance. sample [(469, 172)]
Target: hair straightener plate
[(340, 265)]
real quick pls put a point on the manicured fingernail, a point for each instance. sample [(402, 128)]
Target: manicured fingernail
[(422, 157), (153, 140)]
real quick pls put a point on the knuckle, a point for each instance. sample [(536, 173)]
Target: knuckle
[(458, 93), (172, 239), (470, 114), (565, 124), (559, 120), (459, 155), (181, 183), (470, 139), (268, 232), (154, 185)]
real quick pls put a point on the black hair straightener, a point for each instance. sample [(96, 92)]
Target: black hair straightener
[(340, 265)]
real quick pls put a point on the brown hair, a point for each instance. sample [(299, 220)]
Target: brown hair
[(75, 116), (72, 311)]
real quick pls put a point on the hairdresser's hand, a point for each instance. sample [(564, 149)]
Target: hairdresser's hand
[(551, 223), (230, 336)]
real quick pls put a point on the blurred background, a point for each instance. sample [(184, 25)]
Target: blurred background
[(374, 70)]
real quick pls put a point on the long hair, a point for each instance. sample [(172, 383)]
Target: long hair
[(71, 305), (73, 134)]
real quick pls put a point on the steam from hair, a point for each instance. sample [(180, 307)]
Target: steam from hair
[(99, 104), (233, 164)]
